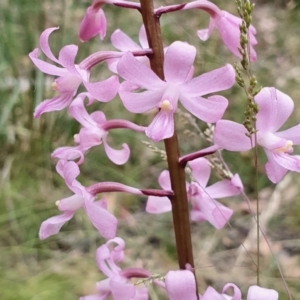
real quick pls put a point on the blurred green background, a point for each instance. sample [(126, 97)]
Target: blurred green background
[(63, 267)]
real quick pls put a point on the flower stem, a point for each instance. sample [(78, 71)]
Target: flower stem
[(179, 201)]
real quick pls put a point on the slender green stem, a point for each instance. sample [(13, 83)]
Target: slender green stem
[(177, 174)]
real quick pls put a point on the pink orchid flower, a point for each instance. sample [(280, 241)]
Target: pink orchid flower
[(117, 284), (164, 95), (104, 221), (275, 108), (227, 24), (94, 21), (124, 43), (94, 132), (181, 284), (70, 76), (202, 198), (254, 293)]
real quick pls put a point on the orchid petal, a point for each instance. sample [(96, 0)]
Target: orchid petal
[(178, 61), (119, 157), (290, 162), (274, 171), (162, 126), (208, 110), (181, 285), (204, 34), (200, 171), (70, 172), (139, 102), (211, 82), (222, 189), (93, 23), (158, 205), (212, 294), (120, 289), (134, 71), (274, 109), (143, 37), (72, 203), (104, 90), (69, 153), (53, 225), (44, 66), (258, 293), (123, 42), (164, 180), (237, 294), (231, 136), (213, 211), (57, 103), (44, 43), (290, 134), (78, 112), (104, 221), (67, 58)]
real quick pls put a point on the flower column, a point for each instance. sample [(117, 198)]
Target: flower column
[(177, 174)]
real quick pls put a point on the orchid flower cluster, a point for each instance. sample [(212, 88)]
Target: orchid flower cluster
[(141, 88)]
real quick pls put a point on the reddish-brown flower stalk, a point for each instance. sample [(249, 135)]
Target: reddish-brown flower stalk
[(179, 200)]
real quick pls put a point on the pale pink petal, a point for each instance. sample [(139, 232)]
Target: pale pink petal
[(237, 182), (103, 288), (44, 44), (179, 59), (275, 108), (237, 294), (211, 210), (69, 153), (164, 180), (200, 171), (158, 205), (139, 102), (258, 293), (291, 134), (123, 42), (212, 294), (67, 84), (290, 162), (104, 90), (98, 117), (67, 58), (72, 203), (136, 72), (120, 289), (70, 172), (270, 141), (119, 157), (93, 23), (211, 82), (231, 136), (78, 111), (53, 225), (208, 110), (228, 27), (274, 171), (44, 66), (204, 34), (143, 37), (104, 221), (222, 189), (162, 126), (57, 103), (181, 285)]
